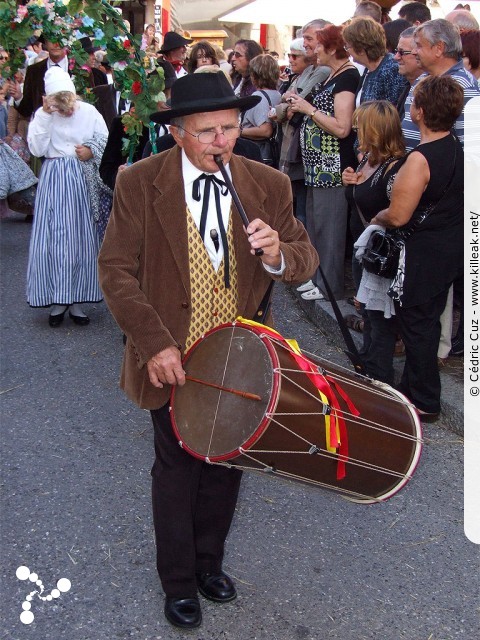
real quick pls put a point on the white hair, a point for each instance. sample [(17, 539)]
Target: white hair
[(297, 45)]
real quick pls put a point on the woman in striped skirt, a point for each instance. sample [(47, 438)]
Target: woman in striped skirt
[(62, 265)]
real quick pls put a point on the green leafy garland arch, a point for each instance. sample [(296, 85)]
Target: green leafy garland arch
[(58, 21)]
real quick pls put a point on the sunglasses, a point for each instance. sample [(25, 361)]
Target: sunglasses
[(3, 57), (401, 52), (237, 54), (293, 56)]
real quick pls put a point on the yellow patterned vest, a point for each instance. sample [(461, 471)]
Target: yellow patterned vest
[(212, 303)]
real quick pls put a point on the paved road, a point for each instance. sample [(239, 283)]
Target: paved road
[(309, 565)]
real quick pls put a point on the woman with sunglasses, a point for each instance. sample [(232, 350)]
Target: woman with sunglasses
[(298, 62), (243, 53)]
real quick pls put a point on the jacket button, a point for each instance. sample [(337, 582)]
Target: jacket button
[(184, 305)]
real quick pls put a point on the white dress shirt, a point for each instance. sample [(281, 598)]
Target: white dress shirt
[(63, 64), (190, 174)]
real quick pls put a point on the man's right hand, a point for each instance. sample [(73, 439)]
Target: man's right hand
[(166, 368)]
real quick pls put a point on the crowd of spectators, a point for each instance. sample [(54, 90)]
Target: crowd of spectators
[(346, 116)]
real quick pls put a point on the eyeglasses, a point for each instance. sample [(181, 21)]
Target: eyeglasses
[(237, 54), (401, 52), (207, 137), (293, 56)]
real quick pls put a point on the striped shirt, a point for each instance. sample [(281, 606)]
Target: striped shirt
[(470, 87)]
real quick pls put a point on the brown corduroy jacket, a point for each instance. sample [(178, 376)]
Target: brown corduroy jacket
[(143, 263)]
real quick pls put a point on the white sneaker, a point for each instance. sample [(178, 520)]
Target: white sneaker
[(306, 286), (313, 294)]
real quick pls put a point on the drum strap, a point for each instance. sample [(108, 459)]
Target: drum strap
[(352, 351), (264, 306)]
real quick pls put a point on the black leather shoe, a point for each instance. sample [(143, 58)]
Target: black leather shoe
[(183, 612), (56, 320), (81, 320), (216, 586)]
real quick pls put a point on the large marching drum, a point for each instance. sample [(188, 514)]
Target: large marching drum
[(253, 400)]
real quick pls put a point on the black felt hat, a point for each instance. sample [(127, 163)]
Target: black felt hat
[(174, 40), (87, 45), (202, 92)]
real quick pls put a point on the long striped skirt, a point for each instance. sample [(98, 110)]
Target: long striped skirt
[(62, 262)]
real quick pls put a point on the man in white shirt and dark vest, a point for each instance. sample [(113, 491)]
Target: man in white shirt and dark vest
[(177, 261)]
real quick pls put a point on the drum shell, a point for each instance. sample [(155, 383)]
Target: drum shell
[(383, 442)]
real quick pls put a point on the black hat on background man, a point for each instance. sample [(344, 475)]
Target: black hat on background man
[(87, 45), (200, 93), (174, 40)]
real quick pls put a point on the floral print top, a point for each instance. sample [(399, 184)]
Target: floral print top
[(324, 155)]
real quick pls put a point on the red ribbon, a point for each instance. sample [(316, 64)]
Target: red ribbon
[(328, 386)]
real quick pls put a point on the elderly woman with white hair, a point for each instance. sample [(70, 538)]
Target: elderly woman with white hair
[(298, 62), (62, 265)]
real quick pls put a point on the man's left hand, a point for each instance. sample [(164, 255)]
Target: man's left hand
[(261, 236)]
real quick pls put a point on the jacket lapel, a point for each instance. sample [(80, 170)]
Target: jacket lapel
[(252, 197), (170, 208)]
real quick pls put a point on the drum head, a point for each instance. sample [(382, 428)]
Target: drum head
[(214, 424)]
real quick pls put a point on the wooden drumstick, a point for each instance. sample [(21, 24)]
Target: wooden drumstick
[(243, 394), (235, 198)]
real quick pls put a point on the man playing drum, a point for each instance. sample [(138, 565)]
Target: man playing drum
[(177, 261)]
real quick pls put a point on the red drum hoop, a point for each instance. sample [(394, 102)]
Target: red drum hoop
[(291, 430)]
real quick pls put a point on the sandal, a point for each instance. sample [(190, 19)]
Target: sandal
[(354, 322)]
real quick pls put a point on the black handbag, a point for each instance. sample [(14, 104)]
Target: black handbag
[(382, 253)]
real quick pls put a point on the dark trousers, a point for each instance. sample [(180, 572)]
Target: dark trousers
[(420, 331), (193, 507), (299, 191), (378, 358)]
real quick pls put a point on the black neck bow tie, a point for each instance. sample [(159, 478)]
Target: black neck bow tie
[(219, 187)]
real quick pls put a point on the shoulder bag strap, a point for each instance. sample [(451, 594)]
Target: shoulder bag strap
[(362, 217), (266, 96)]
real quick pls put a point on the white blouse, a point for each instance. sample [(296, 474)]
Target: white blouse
[(53, 136)]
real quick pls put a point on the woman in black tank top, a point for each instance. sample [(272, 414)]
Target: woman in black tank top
[(430, 181)]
